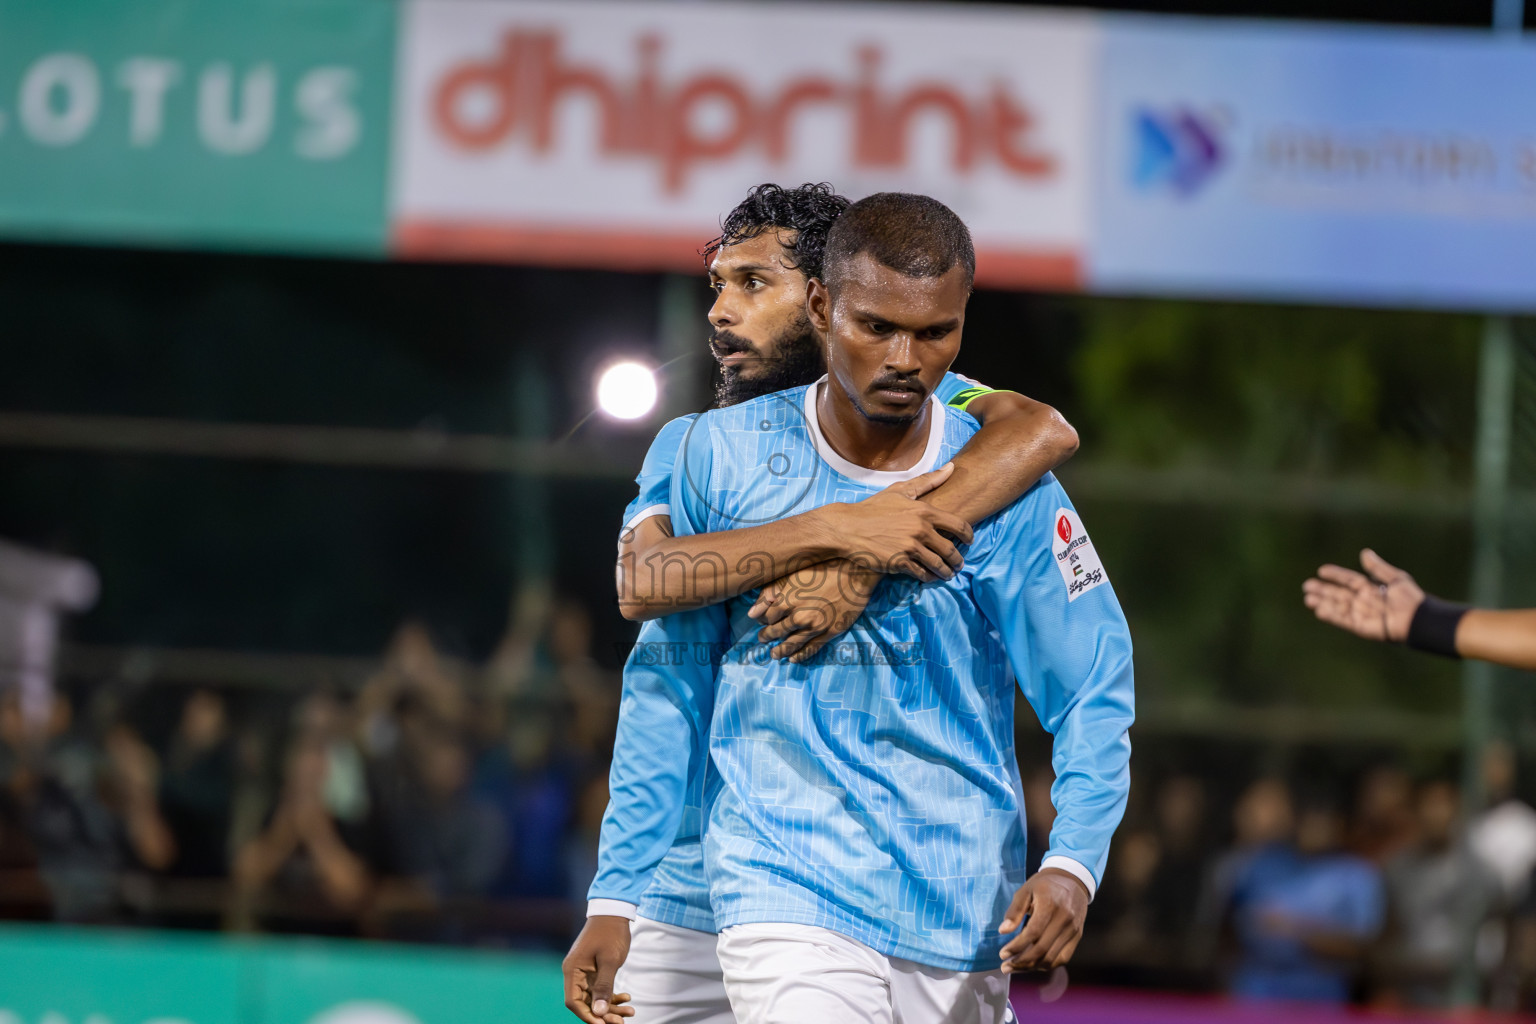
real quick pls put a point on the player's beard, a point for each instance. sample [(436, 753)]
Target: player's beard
[(796, 362)]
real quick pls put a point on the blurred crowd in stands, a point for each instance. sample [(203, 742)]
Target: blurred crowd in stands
[(1386, 894), (439, 800)]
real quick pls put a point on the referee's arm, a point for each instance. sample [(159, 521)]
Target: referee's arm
[(1384, 603)]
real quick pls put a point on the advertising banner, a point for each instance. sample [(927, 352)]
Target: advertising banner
[(1104, 153), (618, 134), (1333, 164), (262, 124), (58, 975)]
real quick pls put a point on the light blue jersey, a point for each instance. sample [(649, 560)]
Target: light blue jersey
[(875, 790), (659, 749), (649, 853)]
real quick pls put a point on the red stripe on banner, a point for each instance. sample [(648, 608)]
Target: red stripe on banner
[(607, 249), (600, 248), (1052, 270)]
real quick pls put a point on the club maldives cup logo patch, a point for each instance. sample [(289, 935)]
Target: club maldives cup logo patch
[(1075, 556)]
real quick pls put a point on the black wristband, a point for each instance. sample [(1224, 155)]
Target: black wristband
[(1433, 628)]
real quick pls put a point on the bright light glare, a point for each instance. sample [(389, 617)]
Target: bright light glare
[(626, 391)]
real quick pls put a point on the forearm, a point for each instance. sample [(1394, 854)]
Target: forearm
[(1091, 760), (343, 875), (659, 574), (1020, 440), (259, 859), (1073, 660), (1502, 637), (1091, 747), (149, 835)]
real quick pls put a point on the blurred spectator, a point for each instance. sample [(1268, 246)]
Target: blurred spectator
[(196, 787), (592, 694), (1262, 817), (1384, 816), (453, 842), (1440, 893), (581, 848), (1504, 836), (511, 669), (1304, 913), (53, 786), (1153, 887), (1124, 910), (1513, 983), (130, 785), (330, 721), (546, 657), (414, 674), (1174, 890), (22, 891), (532, 784), (314, 869), (556, 745), (255, 781)]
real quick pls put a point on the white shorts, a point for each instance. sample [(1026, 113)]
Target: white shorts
[(800, 974), (673, 976)]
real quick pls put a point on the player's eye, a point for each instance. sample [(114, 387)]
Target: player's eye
[(754, 283)]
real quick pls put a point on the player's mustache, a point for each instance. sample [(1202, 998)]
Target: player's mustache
[(724, 343), (897, 382)]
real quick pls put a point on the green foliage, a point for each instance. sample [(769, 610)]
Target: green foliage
[(1266, 393), (1276, 388)]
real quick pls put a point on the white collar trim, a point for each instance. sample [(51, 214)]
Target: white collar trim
[(876, 477)]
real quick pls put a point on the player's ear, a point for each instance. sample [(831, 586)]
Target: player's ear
[(818, 304)]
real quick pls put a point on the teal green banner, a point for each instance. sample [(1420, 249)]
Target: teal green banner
[(55, 975), (240, 124)]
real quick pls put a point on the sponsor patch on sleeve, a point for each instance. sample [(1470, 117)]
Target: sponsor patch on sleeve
[(1079, 563)]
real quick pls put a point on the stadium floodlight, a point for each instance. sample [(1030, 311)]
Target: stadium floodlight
[(626, 390)]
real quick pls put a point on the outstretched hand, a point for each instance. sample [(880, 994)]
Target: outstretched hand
[(1055, 902), (595, 957), (1376, 605)]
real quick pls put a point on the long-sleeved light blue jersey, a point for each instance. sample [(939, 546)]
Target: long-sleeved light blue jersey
[(650, 853), (667, 705), (875, 791)]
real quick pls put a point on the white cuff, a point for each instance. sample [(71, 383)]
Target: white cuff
[(1072, 868), (644, 514), (611, 908)]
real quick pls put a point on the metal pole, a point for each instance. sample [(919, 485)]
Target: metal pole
[(1495, 407), (682, 331)]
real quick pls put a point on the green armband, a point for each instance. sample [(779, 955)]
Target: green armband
[(969, 395)]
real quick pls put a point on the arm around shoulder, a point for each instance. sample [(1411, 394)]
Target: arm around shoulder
[(1020, 441), (1039, 424)]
